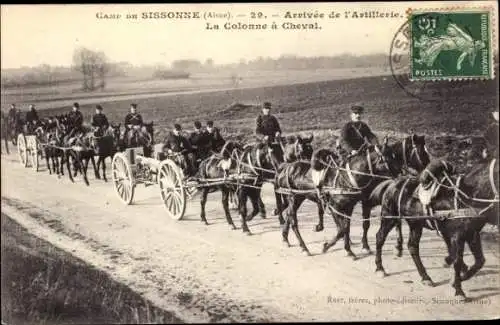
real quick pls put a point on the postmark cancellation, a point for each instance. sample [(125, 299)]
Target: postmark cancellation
[(452, 43)]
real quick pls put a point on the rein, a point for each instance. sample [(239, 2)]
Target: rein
[(457, 190), (350, 171)]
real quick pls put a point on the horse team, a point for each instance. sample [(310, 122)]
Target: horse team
[(400, 177)]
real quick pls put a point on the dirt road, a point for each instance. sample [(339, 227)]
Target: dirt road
[(211, 273)]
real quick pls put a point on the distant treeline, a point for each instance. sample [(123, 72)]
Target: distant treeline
[(46, 75), (291, 62), (51, 76)]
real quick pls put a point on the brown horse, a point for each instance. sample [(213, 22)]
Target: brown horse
[(298, 148), (412, 152), (259, 162), (104, 145), (458, 206), (219, 166), (340, 186)]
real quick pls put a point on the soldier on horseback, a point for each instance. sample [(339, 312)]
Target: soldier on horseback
[(355, 134), (176, 143), (216, 140), (267, 126), (99, 122), (32, 119), (133, 123), (14, 119), (13, 113), (75, 118)]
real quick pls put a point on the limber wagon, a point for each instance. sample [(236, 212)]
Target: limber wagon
[(131, 167), (29, 149)]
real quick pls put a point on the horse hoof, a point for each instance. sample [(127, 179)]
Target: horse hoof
[(381, 273), (233, 227), (325, 247), (460, 296), (318, 228), (446, 265), (286, 243), (349, 254), (248, 233), (306, 252), (428, 283), (366, 251), (263, 216)]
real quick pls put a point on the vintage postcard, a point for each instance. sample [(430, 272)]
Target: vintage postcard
[(255, 162)]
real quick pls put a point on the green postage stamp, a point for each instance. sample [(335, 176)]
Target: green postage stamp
[(451, 44)]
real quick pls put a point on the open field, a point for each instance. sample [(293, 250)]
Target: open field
[(198, 81)]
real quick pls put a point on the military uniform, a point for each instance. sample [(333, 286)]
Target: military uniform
[(14, 119), (12, 115), (76, 119), (353, 136), (215, 139), (178, 143), (267, 125), (32, 116), (200, 141), (133, 119), (100, 121), (76, 123)]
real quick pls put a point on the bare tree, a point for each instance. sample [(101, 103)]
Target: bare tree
[(92, 65)]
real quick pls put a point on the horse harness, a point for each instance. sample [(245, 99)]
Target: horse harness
[(414, 151), (426, 194)]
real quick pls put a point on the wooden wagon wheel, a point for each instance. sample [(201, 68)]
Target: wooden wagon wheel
[(21, 150), (123, 178), (33, 147), (173, 193)]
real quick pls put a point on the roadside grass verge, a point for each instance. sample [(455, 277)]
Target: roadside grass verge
[(42, 284)]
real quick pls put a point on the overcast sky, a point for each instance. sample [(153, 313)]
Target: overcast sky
[(37, 34)]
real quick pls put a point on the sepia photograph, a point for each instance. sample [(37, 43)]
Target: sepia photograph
[(249, 162)]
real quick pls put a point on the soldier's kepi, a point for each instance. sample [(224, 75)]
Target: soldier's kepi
[(356, 133), (267, 126)]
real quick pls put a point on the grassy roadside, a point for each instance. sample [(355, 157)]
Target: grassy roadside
[(41, 284)]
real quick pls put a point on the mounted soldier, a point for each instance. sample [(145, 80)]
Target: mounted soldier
[(267, 127), (133, 123), (216, 140), (176, 143), (200, 141), (99, 122), (32, 119), (491, 137), (13, 114), (355, 134), (14, 119), (75, 119)]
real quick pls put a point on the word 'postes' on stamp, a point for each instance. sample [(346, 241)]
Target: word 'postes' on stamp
[(451, 45)]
